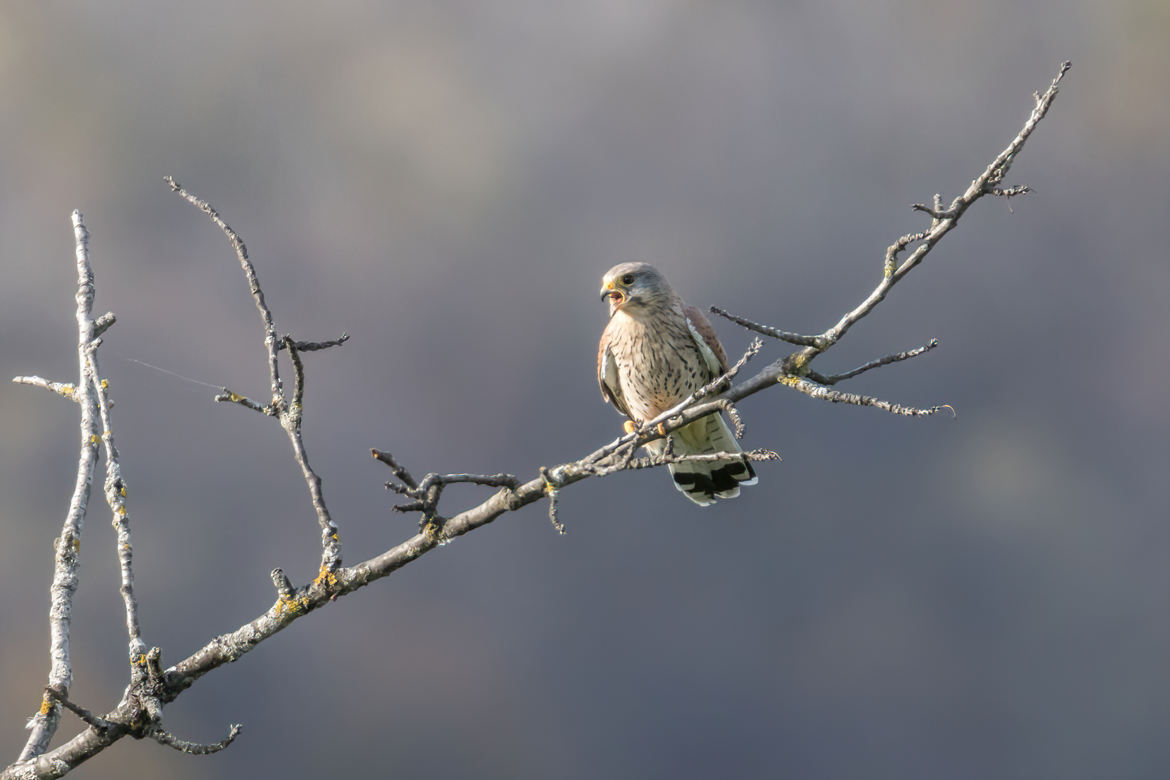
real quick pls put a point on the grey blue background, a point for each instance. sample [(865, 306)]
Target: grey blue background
[(984, 596)]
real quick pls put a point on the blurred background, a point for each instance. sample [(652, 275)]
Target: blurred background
[(984, 596)]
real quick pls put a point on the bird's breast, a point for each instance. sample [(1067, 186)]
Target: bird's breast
[(658, 364)]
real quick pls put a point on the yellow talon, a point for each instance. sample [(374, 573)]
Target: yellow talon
[(629, 426)]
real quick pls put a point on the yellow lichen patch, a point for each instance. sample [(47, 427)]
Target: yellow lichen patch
[(105, 384), (790, 381), (46, 704), (140, 660), (93, 439), (123, 491), (326, 577), (122, 511), (66, 390), (293, 605)]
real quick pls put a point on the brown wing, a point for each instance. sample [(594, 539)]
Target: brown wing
[(607, 375), (704, 331)]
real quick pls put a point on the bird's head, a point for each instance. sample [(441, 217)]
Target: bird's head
[(632, 287)]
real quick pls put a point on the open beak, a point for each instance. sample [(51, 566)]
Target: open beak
[(610, 291)]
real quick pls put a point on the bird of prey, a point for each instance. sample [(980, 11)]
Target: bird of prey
[(656, 351)]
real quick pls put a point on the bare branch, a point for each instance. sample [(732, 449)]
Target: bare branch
[(284, 587), (115, 490), (400, 472), (270, 339), (428, 492), (195, 748), (90, 718), (882, 361), (68, 544), (290, 414), (103, 323), (552, 490), (63, 389), (654, 461), (313, 346), (768, 330), (737, 421), (797, 365), (815, 390), (227, 396)]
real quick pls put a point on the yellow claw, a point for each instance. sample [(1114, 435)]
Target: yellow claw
[(629, 426)]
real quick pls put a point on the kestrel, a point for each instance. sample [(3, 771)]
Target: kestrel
[(656, 351)]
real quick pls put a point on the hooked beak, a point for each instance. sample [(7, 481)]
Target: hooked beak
[(609, 290)]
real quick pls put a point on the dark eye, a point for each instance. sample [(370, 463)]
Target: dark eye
[(628, 279)]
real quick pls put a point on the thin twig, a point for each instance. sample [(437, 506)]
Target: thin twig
[(227, 396), (797, 365), (103, 323), (814, 390), (768, 330), (63, 389), (115, 490), (737, 421), (68, 544), (290, 414), (88, 717), (400, 472), (291, 422), (284, 587), (431, 481), (882, 361), (241, 249), (195, 748), (313, 346), (664, 458), (552, 490)]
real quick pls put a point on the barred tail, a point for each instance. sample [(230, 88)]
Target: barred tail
[(705, 481)]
